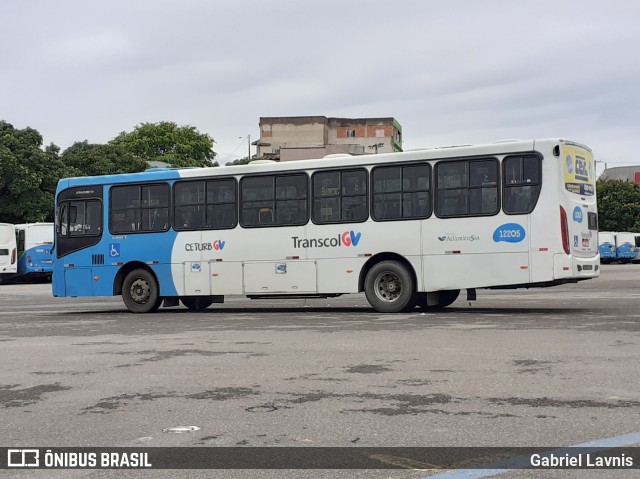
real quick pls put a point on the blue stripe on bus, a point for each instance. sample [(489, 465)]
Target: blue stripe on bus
[(94, 269)]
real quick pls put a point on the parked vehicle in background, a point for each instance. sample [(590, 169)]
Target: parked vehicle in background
[(625, 247), (607, 246), (34, 242), (636, 236), (8, 251)]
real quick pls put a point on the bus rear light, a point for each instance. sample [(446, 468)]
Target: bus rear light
[(215, 275), (564, 227), (349, 271), (543, 249), (14, 254), (566, 268), (524, 267)]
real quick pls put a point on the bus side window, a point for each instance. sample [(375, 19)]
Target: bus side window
[(521, 186)]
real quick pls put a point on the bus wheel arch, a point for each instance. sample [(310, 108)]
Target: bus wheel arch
[(388, 270), (139, 287)]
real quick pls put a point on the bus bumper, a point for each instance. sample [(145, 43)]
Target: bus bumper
[(567, 266)]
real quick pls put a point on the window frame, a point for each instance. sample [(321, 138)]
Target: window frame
[(340, 171), (505, 186), (66, 203), (467, 187), (204, 205), (274, 176), (429, 191), (140, 208)]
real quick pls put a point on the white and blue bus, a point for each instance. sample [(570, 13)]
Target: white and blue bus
[(8, 251), (407, 229), (619, 246), (34, 242), (625, 247), (607, 246)]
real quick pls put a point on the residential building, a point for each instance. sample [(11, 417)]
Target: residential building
[(306, 137)]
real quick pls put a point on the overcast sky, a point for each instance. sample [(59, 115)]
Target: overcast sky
[(451, 72)]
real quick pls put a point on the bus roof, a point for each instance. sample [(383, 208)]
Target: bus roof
[(163, 174)]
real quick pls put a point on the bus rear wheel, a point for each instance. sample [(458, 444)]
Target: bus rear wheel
[(196, 303), (390, 288), (140, 292)]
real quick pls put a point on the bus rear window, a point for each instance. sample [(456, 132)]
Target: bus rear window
[(521, 185)]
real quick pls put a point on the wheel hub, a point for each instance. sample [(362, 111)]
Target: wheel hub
[(388, 287), (140, 291)]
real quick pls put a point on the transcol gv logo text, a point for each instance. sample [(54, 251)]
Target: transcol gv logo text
[(348, 238)]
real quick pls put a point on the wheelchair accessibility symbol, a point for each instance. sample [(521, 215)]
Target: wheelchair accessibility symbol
[(114, 250)]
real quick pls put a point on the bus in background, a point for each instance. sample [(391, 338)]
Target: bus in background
[(8, 251), (408, 229), (607, 246), (34, 242), (625, 247)]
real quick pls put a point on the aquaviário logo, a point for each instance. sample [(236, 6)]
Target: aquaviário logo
[(348, 238), (456, 237)]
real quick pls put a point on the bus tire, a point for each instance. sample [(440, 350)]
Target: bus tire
[(196, 303), (390, 287), (140, 291), (447, 297)]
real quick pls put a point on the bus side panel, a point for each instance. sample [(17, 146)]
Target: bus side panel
[(79, 281), (476, 270), (475, 252), (339, 275), (226, 277)]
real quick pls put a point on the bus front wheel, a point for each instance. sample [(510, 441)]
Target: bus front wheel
[(140, 292), (196, 303), (390, 288)]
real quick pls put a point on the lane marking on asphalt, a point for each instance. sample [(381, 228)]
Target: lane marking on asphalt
[(520, 462)]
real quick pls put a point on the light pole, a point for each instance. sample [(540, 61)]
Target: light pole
[(248, 146), (376, 146), (603, 175)]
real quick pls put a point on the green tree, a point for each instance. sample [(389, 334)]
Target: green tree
[(168, 143), (28, 175), (94, 159), (618, 205)]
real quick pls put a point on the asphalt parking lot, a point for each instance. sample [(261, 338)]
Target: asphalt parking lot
[(542, 367)]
